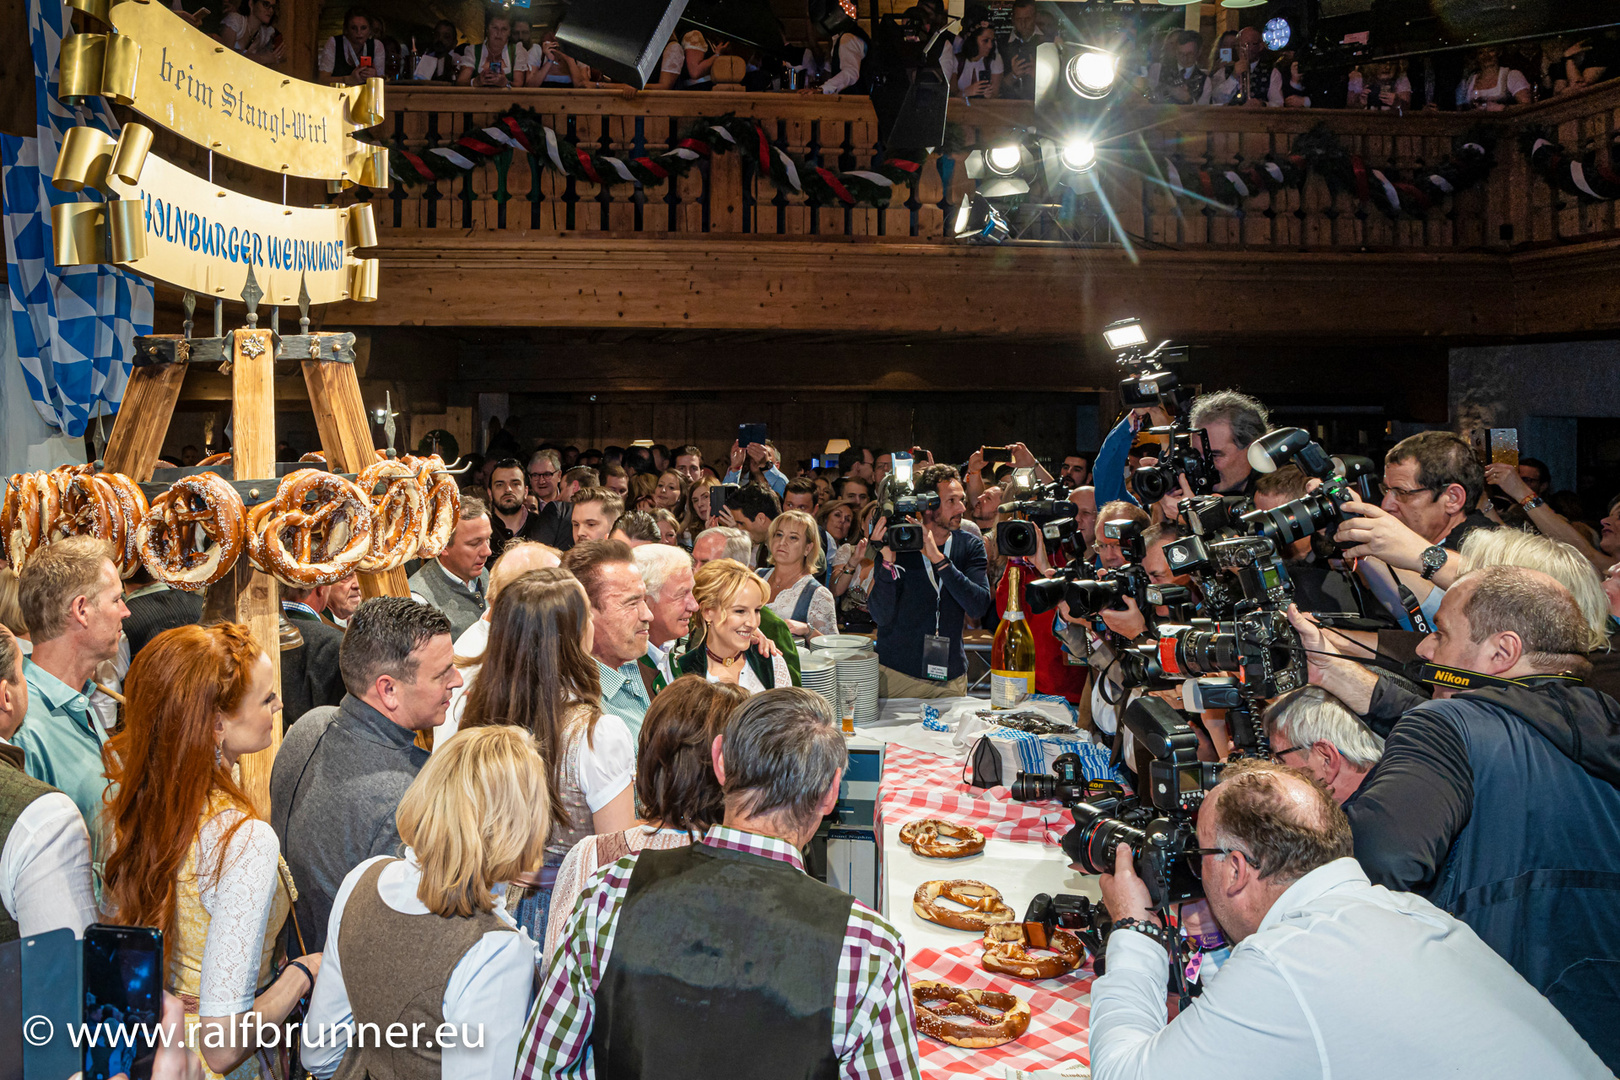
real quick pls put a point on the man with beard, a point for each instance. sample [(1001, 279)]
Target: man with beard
[(1329, 974), (509, 515)]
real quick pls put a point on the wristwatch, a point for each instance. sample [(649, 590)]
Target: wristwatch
[(1433, 559), (1532, 502)]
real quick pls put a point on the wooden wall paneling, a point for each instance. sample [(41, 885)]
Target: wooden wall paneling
[(587, 135), (795, 140), (623, 422), (828, 146), (888, 424), (713, 427), (690, 189), (520, 180), (863, 139), (670, 423)]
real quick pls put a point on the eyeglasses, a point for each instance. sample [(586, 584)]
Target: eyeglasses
[(1196, 857), (542, 475), (1402, 494), (1277, 755)]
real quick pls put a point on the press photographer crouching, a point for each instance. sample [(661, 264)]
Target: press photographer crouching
[(1500, 798), (930, 576), (1330, 975)]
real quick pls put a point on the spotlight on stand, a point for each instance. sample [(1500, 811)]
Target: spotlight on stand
[(1073, 85), (1069, 162), (1002, 171), (977, 222), (1090, 73)]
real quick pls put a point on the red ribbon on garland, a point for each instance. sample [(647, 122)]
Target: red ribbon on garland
[(653, 167), (585, 163), (478, 145), (1416, 194), (1206, 186), (904, 164), (764, 149), (700, 148), (419, 165), (1359, 167), (838, 189), (517, 133)]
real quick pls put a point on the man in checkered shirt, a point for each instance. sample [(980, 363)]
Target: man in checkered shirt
[(724, 958)]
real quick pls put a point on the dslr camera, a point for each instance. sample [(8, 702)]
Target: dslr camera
[(1045, 511), (1088, 590), (902, 507), (1187, 455), (1342, 479)]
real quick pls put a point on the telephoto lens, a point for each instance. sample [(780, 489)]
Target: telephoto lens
[(1093, 844), (1284, 525), (1033, 787)]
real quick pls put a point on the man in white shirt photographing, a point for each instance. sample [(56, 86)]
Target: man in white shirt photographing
[(1329, 974)]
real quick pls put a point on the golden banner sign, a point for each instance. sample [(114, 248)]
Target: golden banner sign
[(167, 224), (194, 86)]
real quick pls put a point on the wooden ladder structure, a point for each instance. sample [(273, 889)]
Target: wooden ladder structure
[(250, 355)]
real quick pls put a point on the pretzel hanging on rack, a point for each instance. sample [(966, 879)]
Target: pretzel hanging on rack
[(132, 505), (216, 459), (99, 506), (935, 1001), (28, 515), (193, 533), (443, 503), (397, 514), (318, 529)]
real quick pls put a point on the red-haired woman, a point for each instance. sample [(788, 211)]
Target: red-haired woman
[(189, 853)]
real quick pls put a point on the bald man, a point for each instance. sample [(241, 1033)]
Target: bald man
[(520, 557)]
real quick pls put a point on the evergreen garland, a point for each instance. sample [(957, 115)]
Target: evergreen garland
[(1587, 175)]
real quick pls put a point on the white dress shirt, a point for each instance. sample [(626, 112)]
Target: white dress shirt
[(45, 868), (1343, 979), (471, 645), (490, 988), (851, 51)]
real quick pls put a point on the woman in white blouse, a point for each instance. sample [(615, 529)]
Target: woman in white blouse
[(426, 939), (190, 854), (976, 72), (797, 559), (1490, 86), (538, 674)]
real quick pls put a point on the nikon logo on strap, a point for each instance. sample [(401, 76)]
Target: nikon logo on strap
[(1461, 679)]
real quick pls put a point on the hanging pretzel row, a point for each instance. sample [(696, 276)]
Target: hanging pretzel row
[(193, 532), (316, 530)]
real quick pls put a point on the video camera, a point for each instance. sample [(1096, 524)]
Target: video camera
[(1149, 385), (901, 507), (1045, 510)]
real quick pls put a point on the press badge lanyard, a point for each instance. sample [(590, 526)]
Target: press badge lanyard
[(937, 647)]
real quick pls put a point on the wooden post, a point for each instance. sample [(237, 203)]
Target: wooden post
[(340, 416), (245, 595), (137, 436)]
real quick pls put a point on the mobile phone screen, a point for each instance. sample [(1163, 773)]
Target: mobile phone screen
[(749, 434), (1226, 56), (123, 998)]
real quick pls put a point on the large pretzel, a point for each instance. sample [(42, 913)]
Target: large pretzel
[(935, 1001), (1006, 950), (941, 840), (443, 504), (396, 514), (28, 515), (132, 505), (983, 902), (317, 531), (217, 459), (192, 534), (109, 507)]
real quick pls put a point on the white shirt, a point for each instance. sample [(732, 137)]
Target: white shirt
[(328, 59), (962, 74), (851, 51), (470, 644), (237, 22), (45, 868), (1508, 83), (519, 57), (674, 60), (491, 985), (1343, 979), (822, 617)]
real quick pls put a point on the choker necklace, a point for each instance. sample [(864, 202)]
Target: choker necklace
[(723, 662)]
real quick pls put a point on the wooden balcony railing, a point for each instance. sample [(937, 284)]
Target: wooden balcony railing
[(1511, 208)]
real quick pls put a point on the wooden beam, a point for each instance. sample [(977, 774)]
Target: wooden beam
[(137, 436), (246, 595), (345, 429)]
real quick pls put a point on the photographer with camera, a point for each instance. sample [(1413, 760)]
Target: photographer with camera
[(921, 597), (1318, 585), (1500, 798), (1316, 733), (1329, 975), (1231, 421)]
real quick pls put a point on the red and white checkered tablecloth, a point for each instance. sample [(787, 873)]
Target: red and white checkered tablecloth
[(1059, 1025), (917, 784)]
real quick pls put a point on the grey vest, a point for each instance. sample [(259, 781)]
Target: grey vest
[(395, 969), (458, 602)]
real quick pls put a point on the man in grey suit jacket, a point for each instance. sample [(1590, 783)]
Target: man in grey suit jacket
[(456, 581)]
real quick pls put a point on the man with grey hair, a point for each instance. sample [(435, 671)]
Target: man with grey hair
[(666, 573), (1329, 974), (724, 958), (456, 581), (1231, 421), (722, 542), (1312, 731), (1500, 798)]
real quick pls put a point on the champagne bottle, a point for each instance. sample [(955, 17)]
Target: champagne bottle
[(1012, 654)]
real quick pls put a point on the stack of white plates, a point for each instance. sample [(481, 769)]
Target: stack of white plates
[(857, 668), (843, 641), (818, 673)]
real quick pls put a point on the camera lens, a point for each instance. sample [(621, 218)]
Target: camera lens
[(1016, 539), (1089, 597), (1285, 525), (1199, 652), (1033, 787), (1153, 482), (1093, 844), (1044, 594)]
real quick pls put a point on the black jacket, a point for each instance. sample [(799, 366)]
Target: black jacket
[(1503, 805), (151, 613), (310, 675)]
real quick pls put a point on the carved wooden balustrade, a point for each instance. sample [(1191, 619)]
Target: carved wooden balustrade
[(1512, 207)]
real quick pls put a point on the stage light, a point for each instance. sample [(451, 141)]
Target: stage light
[(1124, 334), (1079, 155), (1001, 171), (977, 222), (1004, 159), (1091, 73)]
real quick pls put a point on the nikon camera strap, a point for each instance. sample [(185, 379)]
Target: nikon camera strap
[(1459, 679)]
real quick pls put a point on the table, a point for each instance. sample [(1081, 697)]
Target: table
[(922, 778)]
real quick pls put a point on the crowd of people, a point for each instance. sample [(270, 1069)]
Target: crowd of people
[(580, 745), (1174, 66)]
